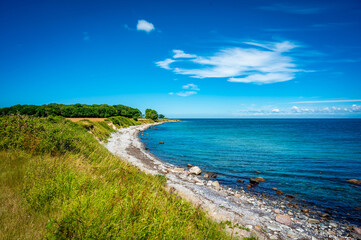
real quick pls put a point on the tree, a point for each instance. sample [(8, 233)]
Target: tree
[(161, 116), (151, 114)]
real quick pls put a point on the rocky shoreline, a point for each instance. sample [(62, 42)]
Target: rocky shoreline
[(247, 213)]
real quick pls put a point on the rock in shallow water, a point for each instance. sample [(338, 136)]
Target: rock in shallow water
[(354, 181), (195, 170), (260, 179), (253, 181), (279, 192)]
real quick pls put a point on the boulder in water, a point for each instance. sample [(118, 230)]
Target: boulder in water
[(213, 175), (354, 181), (253, 181), (195, 170), (260, 179), (279, 192)]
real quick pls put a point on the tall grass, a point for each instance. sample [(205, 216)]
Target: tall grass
[(120, 121), (58, 182)]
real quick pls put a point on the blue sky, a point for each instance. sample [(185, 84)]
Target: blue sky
[(185, 58)]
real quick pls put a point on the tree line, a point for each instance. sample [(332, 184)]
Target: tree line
[(74, 110)]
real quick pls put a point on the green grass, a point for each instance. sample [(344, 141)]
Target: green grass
[(120, 121), (58, 182)]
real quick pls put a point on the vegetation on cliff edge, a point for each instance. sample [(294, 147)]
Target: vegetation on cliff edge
[(58, 182)]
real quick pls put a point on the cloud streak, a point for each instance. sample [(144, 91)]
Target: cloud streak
[(191, 88), (259, 62), (331, 101), (300, 110), (288, 8)]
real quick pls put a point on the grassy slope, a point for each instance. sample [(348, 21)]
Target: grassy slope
[(58, 182)]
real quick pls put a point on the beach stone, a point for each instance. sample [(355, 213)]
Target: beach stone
[(189, 165), (274, 228), (161, 142), (354, 181), (313, 221), (292, 234), (357, 230), (237, 195), (333, 224), (305, 210), (273, 237), (274, 189), (179, 169), (197, 179), (240, 181), (257, 171), (284, 219), (260, 179), (253, 181), (325, 215), (216, 185), (195, 170), (206, 175), (289, 196), (277, 211)]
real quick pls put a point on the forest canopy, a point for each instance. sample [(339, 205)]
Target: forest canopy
[(74, 110)]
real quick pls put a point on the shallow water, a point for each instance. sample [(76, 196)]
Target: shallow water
[(307, 158)]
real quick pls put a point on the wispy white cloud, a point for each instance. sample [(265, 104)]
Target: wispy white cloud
[(143, 25), (191, 89), (262, 63), (331, 101), (182, 54), (301, 110), (289, 8), (264, 78), (191, 86), (186, 93), (285, 46), (165, 64)]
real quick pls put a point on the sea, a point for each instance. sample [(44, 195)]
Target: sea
[(310, 159)]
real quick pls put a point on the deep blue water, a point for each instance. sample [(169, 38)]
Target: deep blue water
[(307, 158)]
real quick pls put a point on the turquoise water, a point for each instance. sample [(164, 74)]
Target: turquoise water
[(308, 158)]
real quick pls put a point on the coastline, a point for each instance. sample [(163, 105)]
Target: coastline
[(258, 216)]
